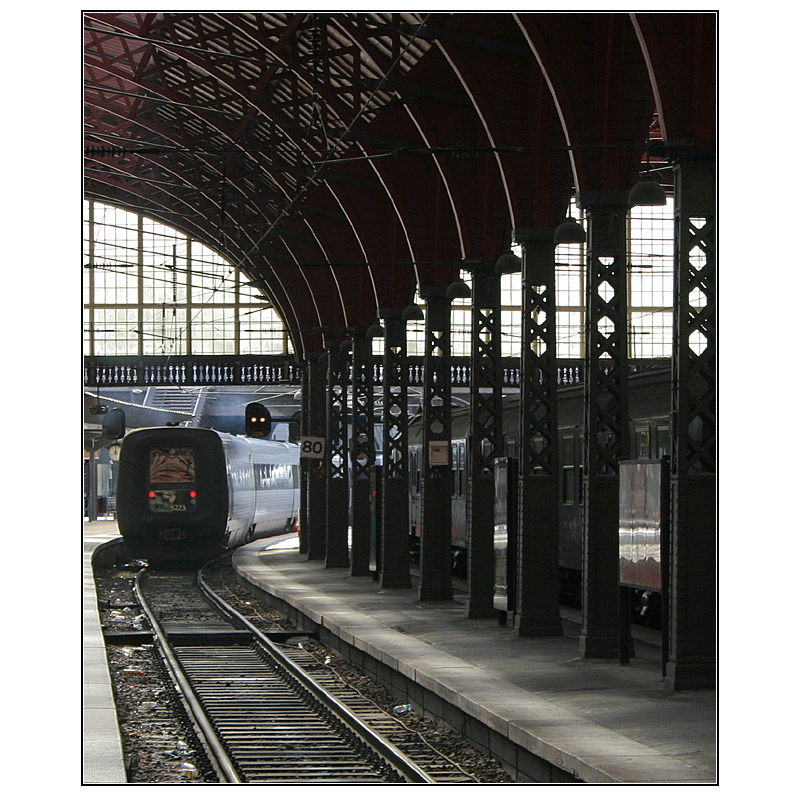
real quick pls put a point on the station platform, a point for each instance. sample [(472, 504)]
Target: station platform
[(548, 714), (103, 761)]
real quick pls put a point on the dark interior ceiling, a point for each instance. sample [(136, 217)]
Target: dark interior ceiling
[(344, 159)]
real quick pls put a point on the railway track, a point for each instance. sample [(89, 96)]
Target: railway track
[(268, 711)]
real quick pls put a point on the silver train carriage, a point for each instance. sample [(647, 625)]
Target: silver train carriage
[(649, 406), (190, 493)]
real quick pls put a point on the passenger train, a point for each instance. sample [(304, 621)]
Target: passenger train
[(191, 493), (649, 406)]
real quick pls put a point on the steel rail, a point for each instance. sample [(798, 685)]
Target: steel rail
[(384, 748), (209, 737)]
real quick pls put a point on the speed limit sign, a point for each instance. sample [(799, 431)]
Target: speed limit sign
[(312, 447)]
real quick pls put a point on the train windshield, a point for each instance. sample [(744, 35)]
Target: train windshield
[(172, 465)]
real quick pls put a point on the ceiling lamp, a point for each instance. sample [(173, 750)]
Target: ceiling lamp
[(413, 312), (569, 231), (376, 330), (508, 263), (458, 290), (648, 192)]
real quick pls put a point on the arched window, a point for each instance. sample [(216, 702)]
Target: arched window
[(151, 290)]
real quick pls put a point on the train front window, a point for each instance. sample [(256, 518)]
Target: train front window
[(172, 465)]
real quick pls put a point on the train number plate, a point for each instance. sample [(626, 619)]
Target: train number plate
[(171, 501)]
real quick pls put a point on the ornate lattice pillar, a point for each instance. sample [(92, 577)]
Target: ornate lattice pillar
[(486, 438), (692, 595), (605, 416), (537, 535), (337, 495), (362, 452), (435, 543), (395, 570), (302, 515), (315, 488)]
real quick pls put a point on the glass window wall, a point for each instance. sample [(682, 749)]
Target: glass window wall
[(150, 290)]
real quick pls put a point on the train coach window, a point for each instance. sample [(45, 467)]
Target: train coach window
[(642, 443), (172, 465), (512, 446), (663, 441), (568, 486)]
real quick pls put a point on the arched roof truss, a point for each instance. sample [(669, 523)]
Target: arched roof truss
[(343, 160)]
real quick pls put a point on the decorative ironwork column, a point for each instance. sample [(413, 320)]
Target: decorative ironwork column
[(302, 514), (537, 584), (486, 437), (605, 416), (435, 568), (316, 500), (693, 484), (395, 572), (362, 451), (337, 496)]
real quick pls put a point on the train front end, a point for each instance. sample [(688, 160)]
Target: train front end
[(172, 497)]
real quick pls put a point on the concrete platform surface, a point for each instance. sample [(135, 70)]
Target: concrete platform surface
[(103, 761), (597, 720)]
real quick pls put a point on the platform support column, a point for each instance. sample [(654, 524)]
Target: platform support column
[(435, 569), (362, 451), (605, 416), (486, 437), (395, 567), (302, 514), (692, 597), (337, 496), (538, 529), (316, 498)]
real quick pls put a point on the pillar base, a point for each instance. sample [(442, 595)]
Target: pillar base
[(395, 583), (538, 625), (480, 612), (691, 676), (434, 594), (599, 646)]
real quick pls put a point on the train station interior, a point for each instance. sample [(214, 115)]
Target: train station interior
[(468, 263)]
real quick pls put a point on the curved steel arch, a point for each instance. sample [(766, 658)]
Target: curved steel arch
[(308, 94)]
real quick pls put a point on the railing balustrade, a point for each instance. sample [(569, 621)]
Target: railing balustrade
[(237, 371)]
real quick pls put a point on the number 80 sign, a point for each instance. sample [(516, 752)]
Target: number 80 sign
[(312, 447)]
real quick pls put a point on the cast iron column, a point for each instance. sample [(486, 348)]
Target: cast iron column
[(605, 416), (302, 518), (435, 566), (316, 500), (337, 495), (693, 484), (537, 535), (362, 453), (486, 438), (395, 572)]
